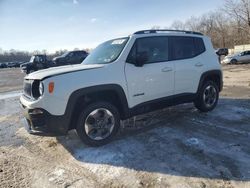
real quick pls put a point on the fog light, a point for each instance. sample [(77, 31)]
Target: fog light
[(36, 112)]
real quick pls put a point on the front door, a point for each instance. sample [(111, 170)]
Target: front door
[(155, 79)]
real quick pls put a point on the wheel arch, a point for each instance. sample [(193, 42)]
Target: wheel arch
[(112, 93), (234, 60), (214, 75)]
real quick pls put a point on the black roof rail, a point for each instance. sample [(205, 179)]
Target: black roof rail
[(166, 30)]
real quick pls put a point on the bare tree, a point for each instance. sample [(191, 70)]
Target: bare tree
[(239, 11), (178, 25), (227, 27), (156, 27)]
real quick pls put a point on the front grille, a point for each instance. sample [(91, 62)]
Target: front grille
[(27, 88)]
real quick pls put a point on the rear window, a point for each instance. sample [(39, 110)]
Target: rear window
[(185, 47)]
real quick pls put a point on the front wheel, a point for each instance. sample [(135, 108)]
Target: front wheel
[(208, 96), (98, 123)]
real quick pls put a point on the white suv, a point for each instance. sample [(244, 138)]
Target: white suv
[(121, 78)]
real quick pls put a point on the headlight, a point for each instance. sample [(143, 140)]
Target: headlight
[(41, 88)]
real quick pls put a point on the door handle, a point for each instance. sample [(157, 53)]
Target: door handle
[(166, 69), (198, 64)]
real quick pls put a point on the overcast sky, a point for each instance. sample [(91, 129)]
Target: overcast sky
[(67, 24)]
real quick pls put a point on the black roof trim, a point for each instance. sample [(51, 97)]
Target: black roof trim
[(166, 30)]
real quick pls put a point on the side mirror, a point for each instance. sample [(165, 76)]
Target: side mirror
[(141, 59)]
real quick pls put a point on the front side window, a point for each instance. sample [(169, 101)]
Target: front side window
[(156, 49), (71, 54), (38, 59), (247, 53), (65, 54), (106, 52)]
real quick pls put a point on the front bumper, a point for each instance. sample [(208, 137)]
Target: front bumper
[(39, 121)]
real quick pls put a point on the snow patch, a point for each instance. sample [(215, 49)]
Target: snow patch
[(100, 155), (232, 113), (12, 94), (192, 142)]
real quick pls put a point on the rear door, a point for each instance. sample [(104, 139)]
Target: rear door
[(248, 57), (186, 54), (245, 57), (81, 56), (70, 58)]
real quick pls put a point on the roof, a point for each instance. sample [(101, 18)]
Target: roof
[(167, 31)]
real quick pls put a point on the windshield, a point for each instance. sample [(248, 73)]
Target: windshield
[(32, 58), (65, 54), (106, 52)]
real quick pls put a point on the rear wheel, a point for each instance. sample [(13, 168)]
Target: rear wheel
[(98, 123), (208, 96)]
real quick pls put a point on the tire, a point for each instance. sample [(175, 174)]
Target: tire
[(233, 61), (208, 96), (96, 119)]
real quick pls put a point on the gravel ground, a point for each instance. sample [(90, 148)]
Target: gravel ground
[(174, 147), (13, 84)]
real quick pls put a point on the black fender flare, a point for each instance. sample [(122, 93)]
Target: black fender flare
[(211, 73), (72, 101)]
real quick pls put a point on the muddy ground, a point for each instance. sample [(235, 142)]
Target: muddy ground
[(174, 147)]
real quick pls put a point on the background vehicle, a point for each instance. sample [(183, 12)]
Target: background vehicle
[(19, 63), (243, 57), (3, 65), (37, 62), (68, 58), (11, 64), (15, 64), (122, 78), (222, 51)]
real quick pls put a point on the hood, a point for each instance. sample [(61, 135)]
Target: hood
[(39, 75), (231, 56), (25, 64), (56, 58)]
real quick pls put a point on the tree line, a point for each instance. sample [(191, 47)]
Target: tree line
[(17, 55), (227, 26)]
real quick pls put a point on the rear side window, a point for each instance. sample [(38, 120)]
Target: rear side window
[(199, 46), (155, 47), (185, 47)]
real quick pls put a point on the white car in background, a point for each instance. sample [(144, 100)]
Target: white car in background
[(242, 57)]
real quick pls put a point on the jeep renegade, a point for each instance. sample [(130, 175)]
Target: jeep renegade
[(121, 78)]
